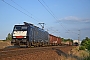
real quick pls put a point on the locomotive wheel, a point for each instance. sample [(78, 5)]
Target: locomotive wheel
[(17, 43), (28, 44)]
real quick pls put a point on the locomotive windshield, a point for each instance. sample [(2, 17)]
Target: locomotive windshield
[(20, 28)]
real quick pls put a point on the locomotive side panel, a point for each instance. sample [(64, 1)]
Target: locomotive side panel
[(37, 36)]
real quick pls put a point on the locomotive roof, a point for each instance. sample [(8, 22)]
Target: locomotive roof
[(19, 25), (29, 24)]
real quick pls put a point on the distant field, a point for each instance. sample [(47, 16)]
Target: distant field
[(4, 44)]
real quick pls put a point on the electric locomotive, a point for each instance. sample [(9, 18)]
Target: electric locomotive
[(29, 35)]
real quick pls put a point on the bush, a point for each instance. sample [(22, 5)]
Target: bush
[(82, 48), (88, 58)]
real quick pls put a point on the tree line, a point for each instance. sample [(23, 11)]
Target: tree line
[(9, 36), (85, 44)]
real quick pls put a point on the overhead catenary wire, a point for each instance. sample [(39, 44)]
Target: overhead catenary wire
[(46, 8), (54, 15), (20, 6), (50, 12), (24, 9), (19, 10)]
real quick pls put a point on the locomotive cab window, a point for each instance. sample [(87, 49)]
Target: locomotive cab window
[(20, 28), (17, 28)]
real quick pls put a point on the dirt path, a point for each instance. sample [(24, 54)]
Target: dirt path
[(38, 53), (42, 53)]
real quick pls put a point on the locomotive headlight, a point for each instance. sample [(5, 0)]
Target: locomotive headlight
[(25, 37)]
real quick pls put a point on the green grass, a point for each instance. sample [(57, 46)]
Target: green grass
[(88, 58)]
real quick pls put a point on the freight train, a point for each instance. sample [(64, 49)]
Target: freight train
[(30, 35)]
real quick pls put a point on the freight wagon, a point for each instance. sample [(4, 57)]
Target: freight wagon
[(54, 40), (31, 35)]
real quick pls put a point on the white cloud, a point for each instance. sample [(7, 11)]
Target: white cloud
[(73, 18)]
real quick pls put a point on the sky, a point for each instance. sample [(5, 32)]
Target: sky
[(64, 18)]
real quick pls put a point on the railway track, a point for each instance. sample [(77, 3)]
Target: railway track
[(11, 52)]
